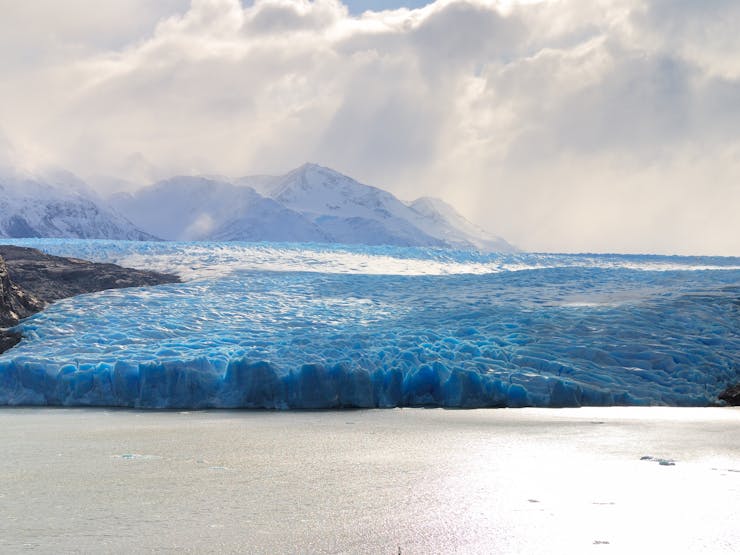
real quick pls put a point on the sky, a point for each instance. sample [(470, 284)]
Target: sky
[(561, 125)]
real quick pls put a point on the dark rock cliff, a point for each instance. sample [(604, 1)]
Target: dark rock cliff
[(14, 302), (51, 278)]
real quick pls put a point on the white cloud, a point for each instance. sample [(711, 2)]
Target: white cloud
[(38, 33), (563, 125)]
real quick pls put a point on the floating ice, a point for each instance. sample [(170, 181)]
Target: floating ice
[(661, 462), (296, 326), (136, 457)]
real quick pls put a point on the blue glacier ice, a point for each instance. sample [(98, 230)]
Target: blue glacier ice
[(283, 326)]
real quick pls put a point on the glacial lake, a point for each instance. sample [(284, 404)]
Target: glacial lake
[(370, 481)]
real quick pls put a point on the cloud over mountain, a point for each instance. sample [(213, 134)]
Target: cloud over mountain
[(572, 124)]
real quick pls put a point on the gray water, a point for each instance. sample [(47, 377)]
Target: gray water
[(378, 481)]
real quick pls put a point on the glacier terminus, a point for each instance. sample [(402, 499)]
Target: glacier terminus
[(311, 326)]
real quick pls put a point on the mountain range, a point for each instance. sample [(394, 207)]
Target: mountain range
[(59, 205), (309, 204)]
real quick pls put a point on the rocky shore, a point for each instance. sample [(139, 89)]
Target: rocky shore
[(731, 395), (30, 279)]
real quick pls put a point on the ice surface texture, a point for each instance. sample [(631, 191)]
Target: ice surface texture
[(289, 326)]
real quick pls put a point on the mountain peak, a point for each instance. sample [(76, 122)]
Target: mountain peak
[(312, 183), (309, 166), (316, 174), (312, 203)]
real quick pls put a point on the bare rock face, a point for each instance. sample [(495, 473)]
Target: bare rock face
[(731, 395), (51, 278), (15, 303)]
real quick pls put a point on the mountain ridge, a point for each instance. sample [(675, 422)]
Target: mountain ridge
[(311, 203), (30, 206)]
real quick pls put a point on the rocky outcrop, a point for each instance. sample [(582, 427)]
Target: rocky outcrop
[(51, 278), (731, 395), (29, 279), (14, 302), (14, 305)]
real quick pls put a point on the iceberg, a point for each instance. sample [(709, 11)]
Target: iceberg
[(309, 326)]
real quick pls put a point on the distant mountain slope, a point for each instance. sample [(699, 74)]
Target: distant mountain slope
[(31, 207), (197, 208), (347, 210), (441, 220), (309, 204)]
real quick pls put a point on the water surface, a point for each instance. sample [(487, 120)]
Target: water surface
[(424, 480)]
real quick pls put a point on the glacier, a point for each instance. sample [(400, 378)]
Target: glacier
[(311, 326)]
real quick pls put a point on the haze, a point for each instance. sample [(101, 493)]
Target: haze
[(571, 125)]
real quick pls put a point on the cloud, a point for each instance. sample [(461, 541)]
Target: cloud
[(561, 125), (36, 34), (704, 33)]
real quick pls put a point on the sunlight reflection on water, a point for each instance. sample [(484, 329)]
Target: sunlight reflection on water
[(428, 481)]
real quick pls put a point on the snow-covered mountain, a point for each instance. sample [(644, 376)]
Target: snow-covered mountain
[(199, 208), (347, 210), (309, 204), (441, 220), (31, 206)]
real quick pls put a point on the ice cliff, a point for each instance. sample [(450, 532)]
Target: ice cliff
[(309, 326)]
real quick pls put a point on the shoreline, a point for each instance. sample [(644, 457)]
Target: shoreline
[(518, 481), (575, 412)]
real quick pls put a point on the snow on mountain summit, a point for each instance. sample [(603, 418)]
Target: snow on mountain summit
[(444, 221), (314, 189), (30, 206), (347, 210), (312, 203), (333, 200), (188, 208)]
